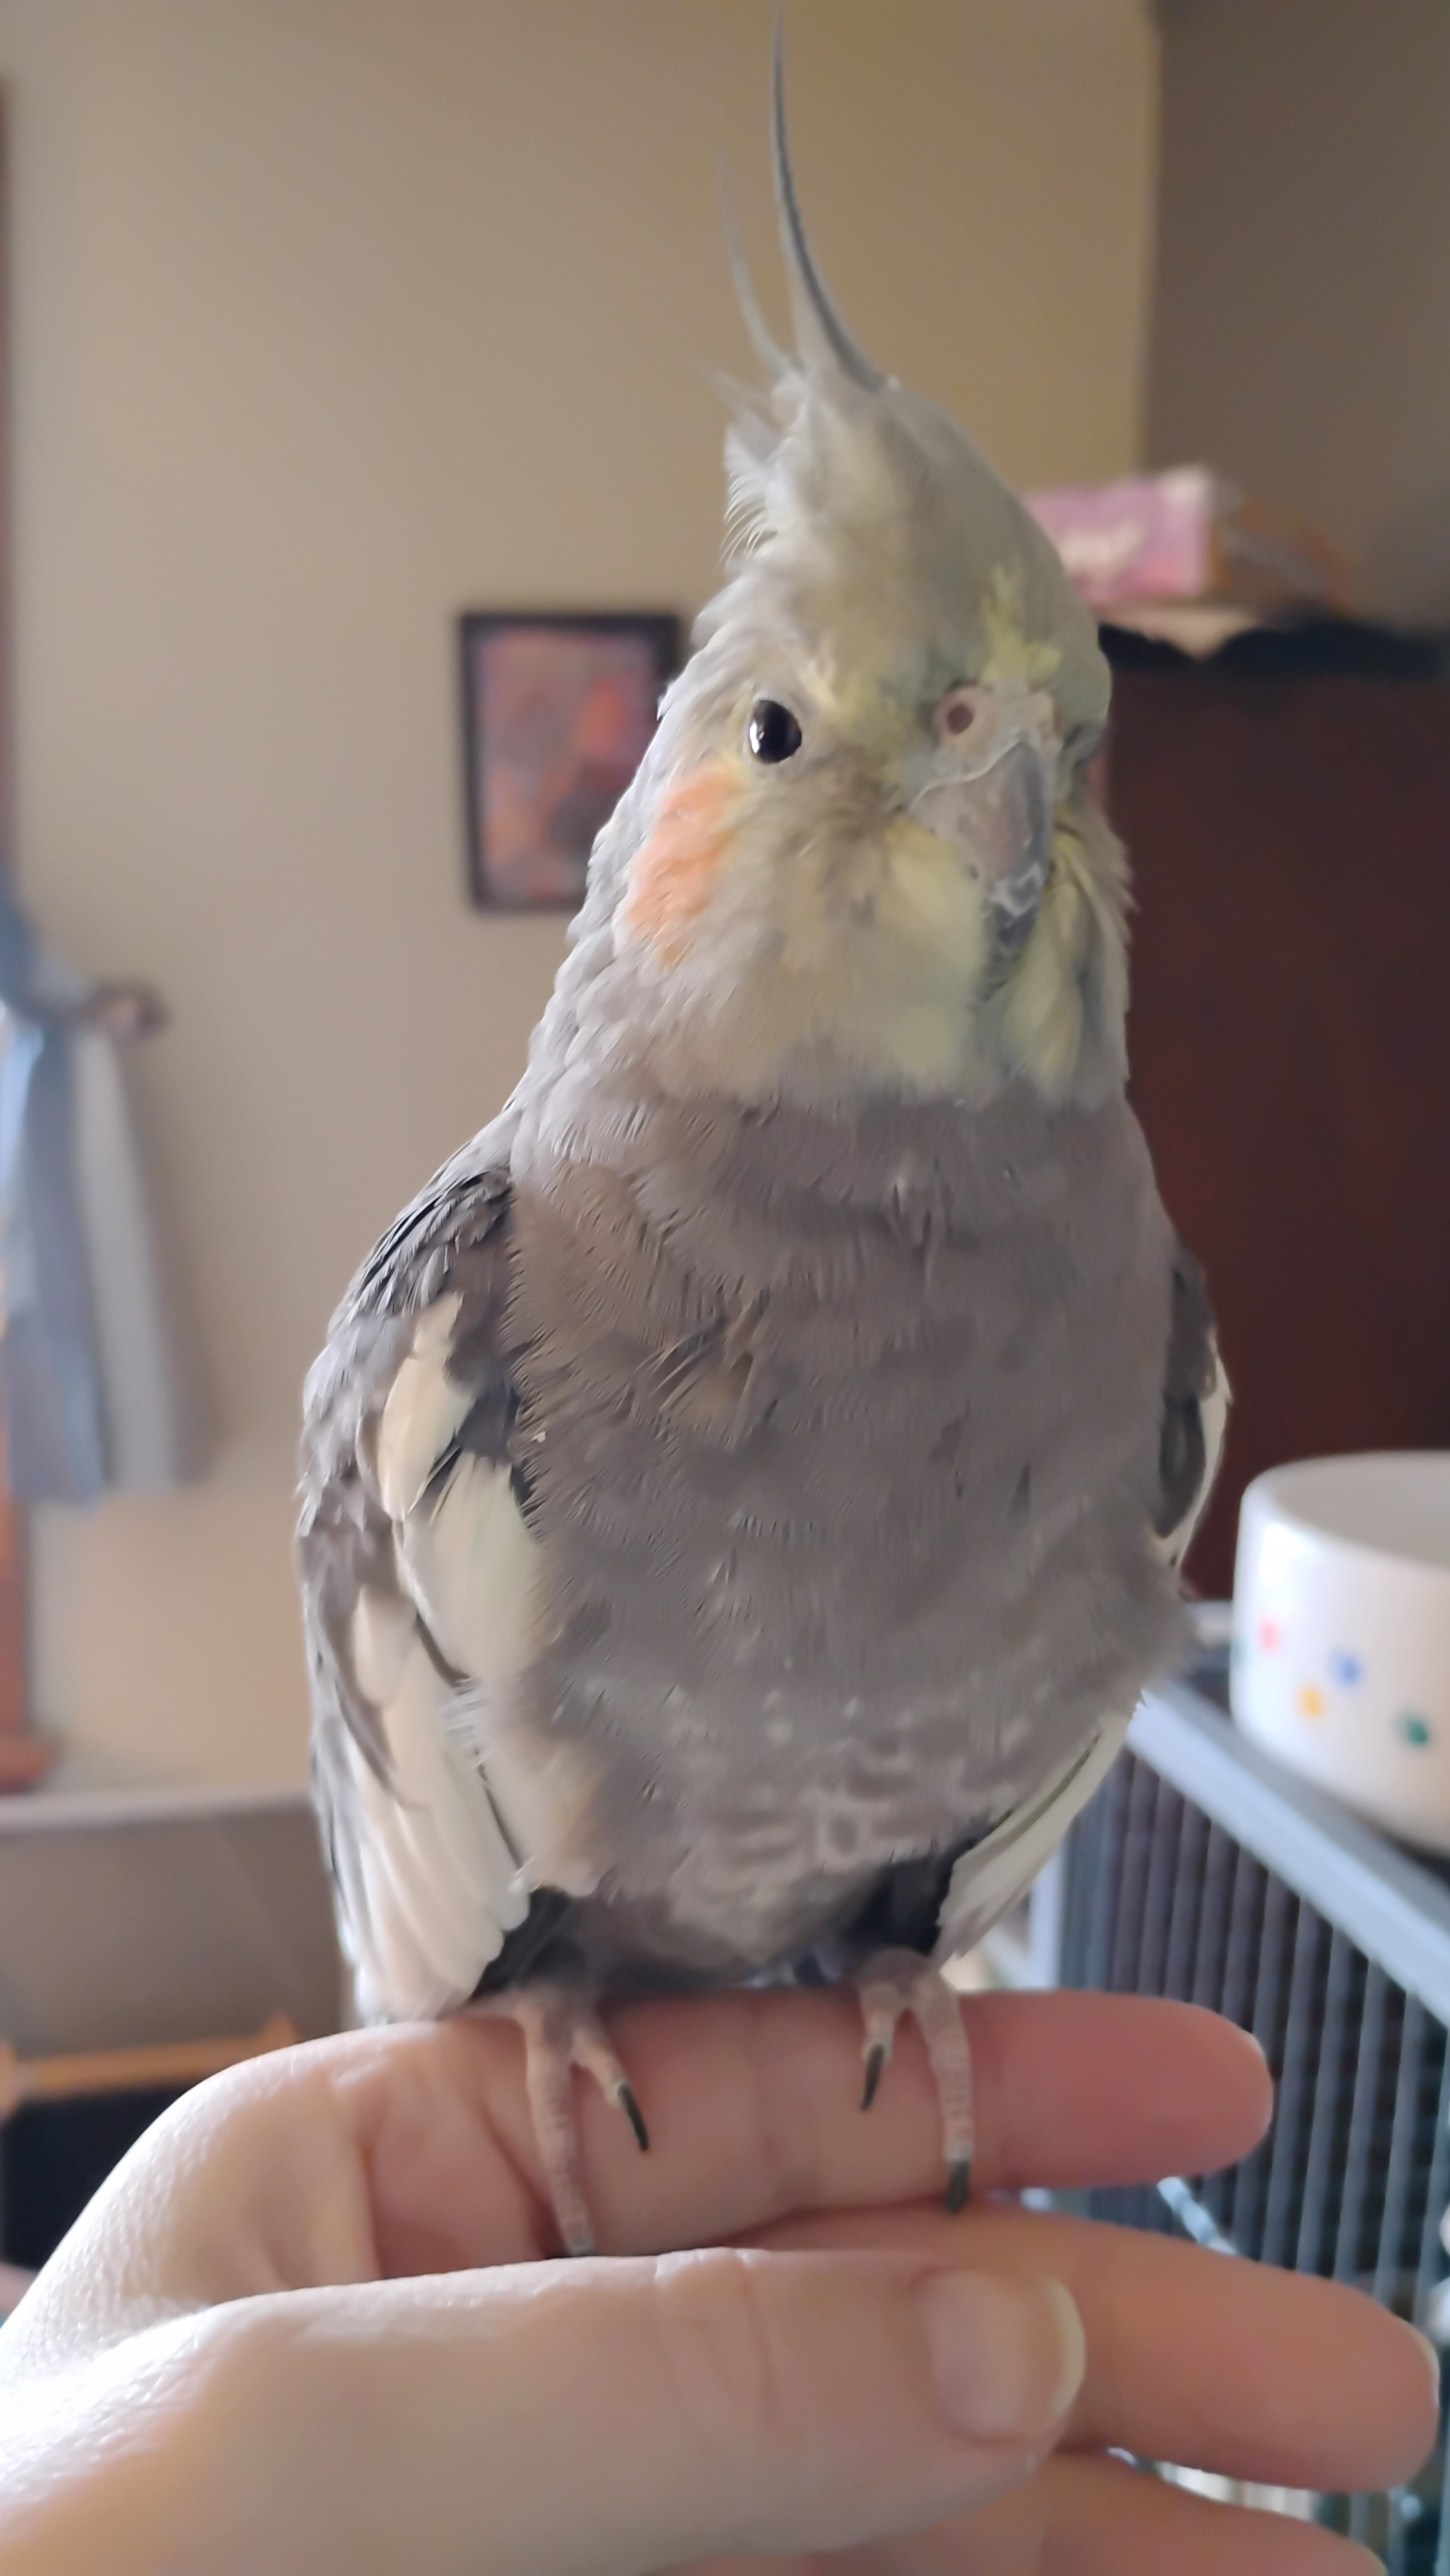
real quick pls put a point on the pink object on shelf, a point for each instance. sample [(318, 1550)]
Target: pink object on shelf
[(1184, 535)]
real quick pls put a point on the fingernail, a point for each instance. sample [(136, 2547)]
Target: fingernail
[(1432, 2360), (1008, 2356)]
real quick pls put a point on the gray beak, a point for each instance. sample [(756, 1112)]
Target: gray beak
[(1000, 818)]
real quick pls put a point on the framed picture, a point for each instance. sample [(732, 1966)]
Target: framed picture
[(557, 711)]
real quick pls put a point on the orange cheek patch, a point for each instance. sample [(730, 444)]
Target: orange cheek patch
[(672, 872)]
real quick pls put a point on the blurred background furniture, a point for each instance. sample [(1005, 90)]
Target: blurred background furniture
[(144, 1941), (1286, 807)]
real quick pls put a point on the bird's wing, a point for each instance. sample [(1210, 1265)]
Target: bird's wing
[(1195, 1409), (989, 1879), (419, 1593)]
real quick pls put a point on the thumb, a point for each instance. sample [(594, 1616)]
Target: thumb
[(612, 2417)]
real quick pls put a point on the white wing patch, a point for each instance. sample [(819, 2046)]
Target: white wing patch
[(438, 1883), (988, 1880), (1213, 1415), (472, 1568), (432, 1879), (383, 1635), (426, 1408)]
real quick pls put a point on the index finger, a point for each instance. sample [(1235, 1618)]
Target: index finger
[(753, 2106), (405, 2151)]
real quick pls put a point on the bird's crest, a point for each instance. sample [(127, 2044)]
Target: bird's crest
[(819, 328), (834, 460)]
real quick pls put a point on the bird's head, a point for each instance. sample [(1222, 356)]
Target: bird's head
[(861, 855)]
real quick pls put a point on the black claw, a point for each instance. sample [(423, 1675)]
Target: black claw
[(959, 2183), (876, 2056), (633, 2114)]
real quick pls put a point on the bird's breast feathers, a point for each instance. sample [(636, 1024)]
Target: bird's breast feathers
[(793, 1560)]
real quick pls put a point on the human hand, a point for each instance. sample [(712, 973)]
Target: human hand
[(307, 2326)]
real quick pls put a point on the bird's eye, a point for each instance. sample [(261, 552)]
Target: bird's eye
[(956, 714), (772, 733)]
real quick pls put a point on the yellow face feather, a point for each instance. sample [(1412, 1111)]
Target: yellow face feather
[(796, 922), (911, 894), (837, 924), (869, 859), (1075, 963), (1013, 659)]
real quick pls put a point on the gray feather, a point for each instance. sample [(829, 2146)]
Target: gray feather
[(802, 1369), (740, 1506), (820, 328), (772, 357), (1195, 1404), (450, 1240)]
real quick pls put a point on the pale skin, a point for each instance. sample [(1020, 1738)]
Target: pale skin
[(309, 2324)]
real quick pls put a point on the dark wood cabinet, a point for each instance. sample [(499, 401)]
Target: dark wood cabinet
[(1290, 1039)]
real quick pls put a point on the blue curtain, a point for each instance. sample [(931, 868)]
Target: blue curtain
[(49, 1364)]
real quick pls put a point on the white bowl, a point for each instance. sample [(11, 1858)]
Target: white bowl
[(1341, 1646)]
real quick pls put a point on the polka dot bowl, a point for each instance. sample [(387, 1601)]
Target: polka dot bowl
[(1341, 1643)]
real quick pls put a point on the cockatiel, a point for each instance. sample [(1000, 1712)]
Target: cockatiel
[(742, 1493)]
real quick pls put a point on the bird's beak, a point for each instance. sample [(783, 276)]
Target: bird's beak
[(988, 791)]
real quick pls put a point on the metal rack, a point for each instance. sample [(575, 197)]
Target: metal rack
[(1205, 1872)]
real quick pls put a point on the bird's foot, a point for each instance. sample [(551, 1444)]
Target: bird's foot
[(562, 2030), (896, 1982)]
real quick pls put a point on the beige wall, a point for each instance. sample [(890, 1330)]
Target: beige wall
[(1301, 334), (332, 316)]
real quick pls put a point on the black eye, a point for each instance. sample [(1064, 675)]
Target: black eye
[(772, 733)]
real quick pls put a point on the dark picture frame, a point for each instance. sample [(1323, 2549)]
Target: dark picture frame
[(558, 709)]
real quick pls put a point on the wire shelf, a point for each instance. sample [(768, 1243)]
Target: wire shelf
[(1203, 1872)]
